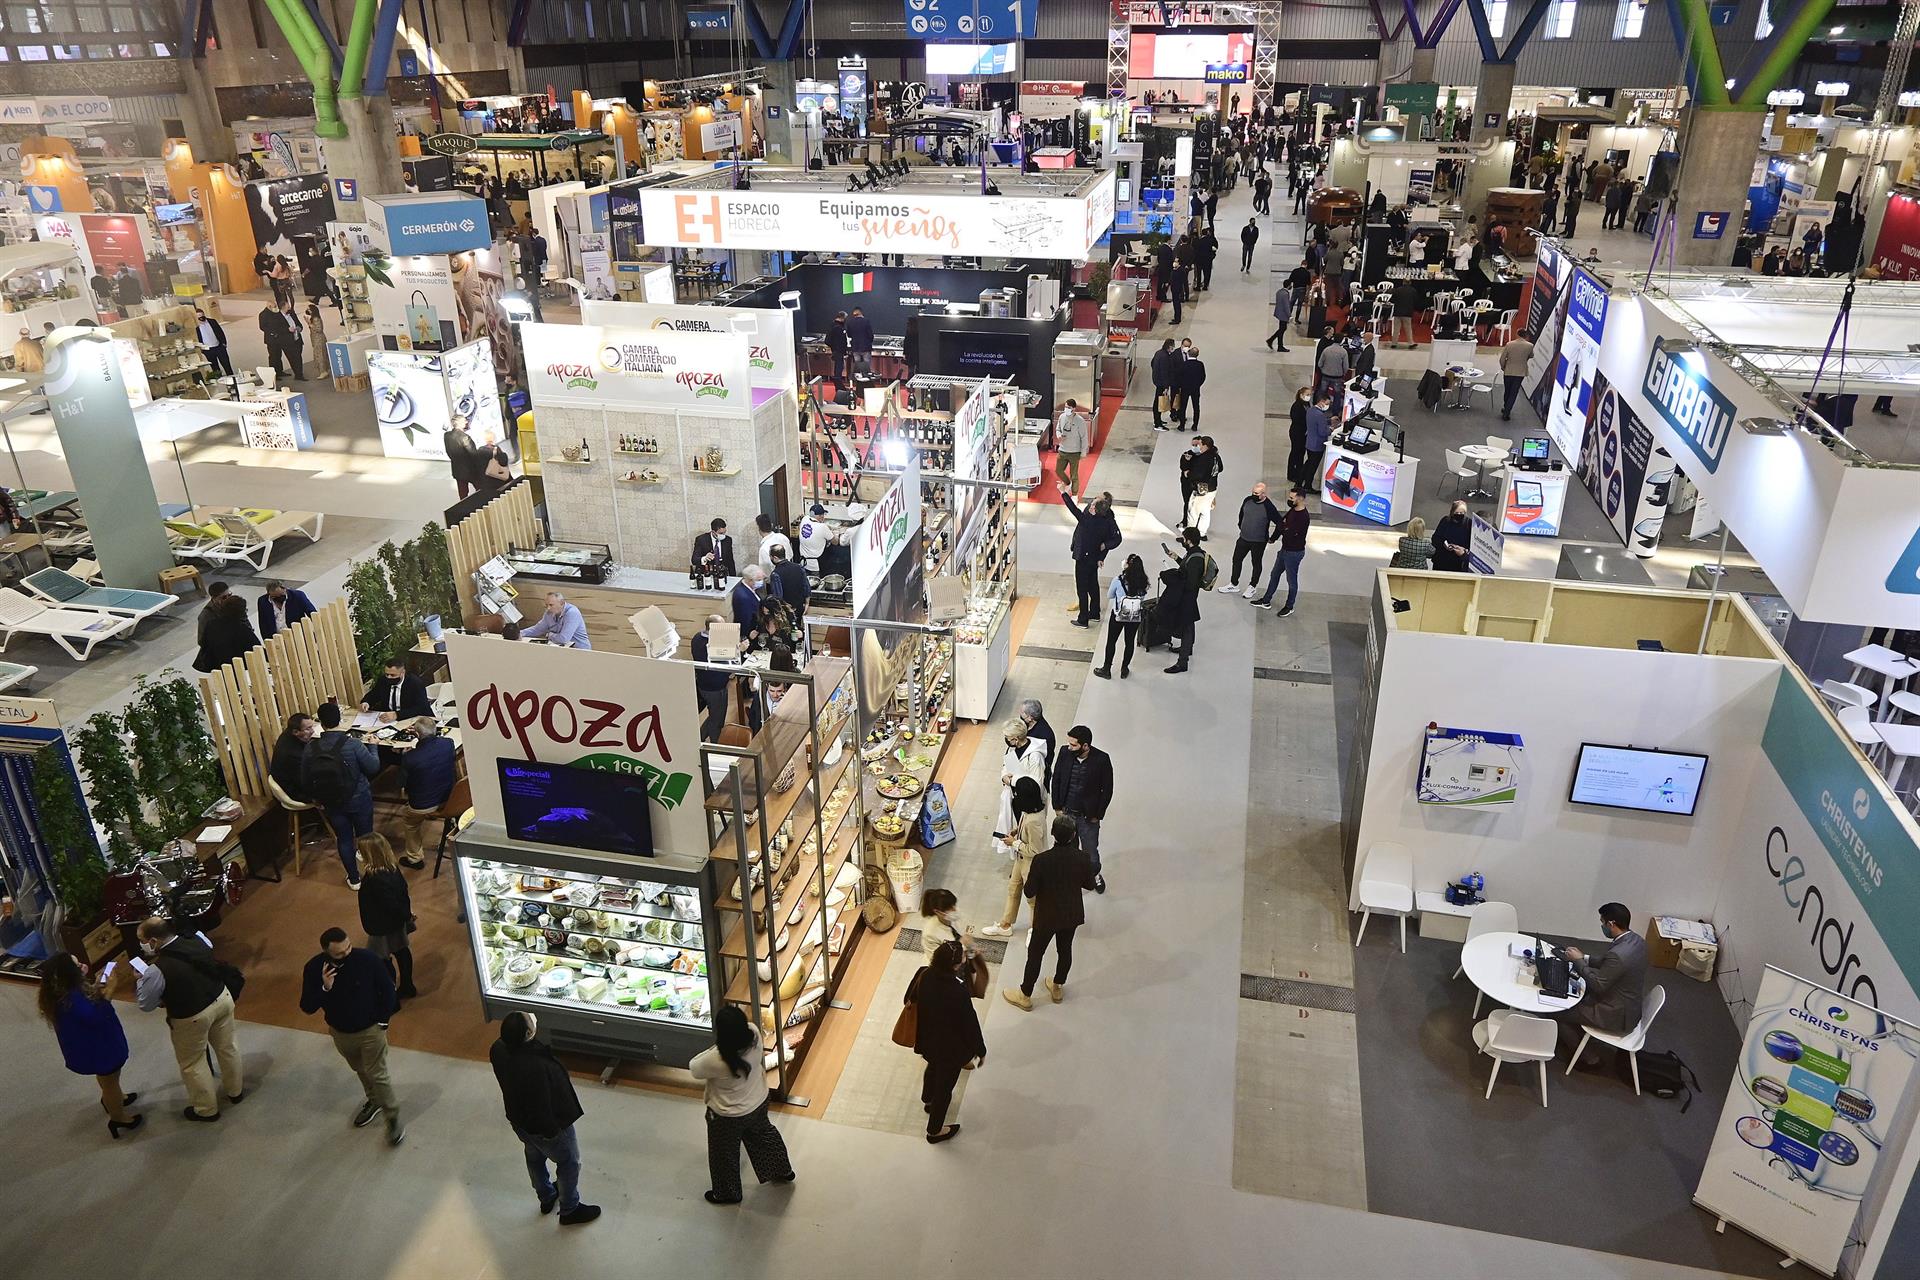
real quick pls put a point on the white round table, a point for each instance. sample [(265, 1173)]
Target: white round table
[(1480, 455), (1507, 980)]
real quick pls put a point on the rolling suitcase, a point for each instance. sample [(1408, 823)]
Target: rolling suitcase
[(1153, 626)]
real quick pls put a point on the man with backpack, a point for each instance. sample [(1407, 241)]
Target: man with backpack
[(337, 775), (1180, 590), (197, 992)]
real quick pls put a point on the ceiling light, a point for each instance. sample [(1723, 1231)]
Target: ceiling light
[(1834, 31)]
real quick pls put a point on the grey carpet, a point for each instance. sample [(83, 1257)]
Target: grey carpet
[(1598, 1168)]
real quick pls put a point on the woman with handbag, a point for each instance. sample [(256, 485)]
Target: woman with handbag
[(1126, 606), (735, 1076), (92, 1043), (386, 911), (1025, 757), (1024, 844), (946, 1033)]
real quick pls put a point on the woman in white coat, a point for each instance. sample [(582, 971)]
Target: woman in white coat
[(1025, 758)]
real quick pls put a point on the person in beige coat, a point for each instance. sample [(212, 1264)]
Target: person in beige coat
[(1022, 846)]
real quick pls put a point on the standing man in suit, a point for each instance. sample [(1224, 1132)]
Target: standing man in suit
[(790, 582), (213, 341), (1616, 982), (713, 551), (280, 608), (397, 695), (1082, 790)]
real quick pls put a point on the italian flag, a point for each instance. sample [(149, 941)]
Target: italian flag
[(856, 282)]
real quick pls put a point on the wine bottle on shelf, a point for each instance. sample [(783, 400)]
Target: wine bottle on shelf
[(586, 454)]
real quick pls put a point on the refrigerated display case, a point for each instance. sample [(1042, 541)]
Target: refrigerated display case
[(613, 953)]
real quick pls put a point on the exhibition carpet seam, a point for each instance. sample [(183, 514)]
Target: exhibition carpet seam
[(1293, 676), (1292, 991)]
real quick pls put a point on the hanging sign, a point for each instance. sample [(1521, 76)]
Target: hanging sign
[(885, 533), (451, 144)]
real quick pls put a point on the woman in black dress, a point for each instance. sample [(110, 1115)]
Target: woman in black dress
[(1451, 538), (947, 1034)]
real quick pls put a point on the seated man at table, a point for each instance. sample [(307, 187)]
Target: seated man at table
[(1615, 980), (397, 695), (289, 751), (428, 773), (560, 623)]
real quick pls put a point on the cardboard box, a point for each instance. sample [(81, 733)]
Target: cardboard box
[(1664, 952)]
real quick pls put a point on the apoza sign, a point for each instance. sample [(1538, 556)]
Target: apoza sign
[(768, 331), (886, 532), (586, 709), (994, 226), (615, 367)]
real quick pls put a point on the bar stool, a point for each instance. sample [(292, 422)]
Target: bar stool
[(294, 809)]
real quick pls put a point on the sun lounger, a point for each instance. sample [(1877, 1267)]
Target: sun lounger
[(13, 674), (253, 543), (58, 587), (75, 630)]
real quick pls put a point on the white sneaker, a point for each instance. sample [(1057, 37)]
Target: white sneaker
[(995, 931), (1250, 593), (1229, 588)]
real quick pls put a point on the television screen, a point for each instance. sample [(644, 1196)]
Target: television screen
[(970, 60), (1631, 778), (579, 808), (1219, 57), (1534, 448), (998, 355)]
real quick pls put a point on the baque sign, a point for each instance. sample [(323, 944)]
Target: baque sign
[(451, 144)]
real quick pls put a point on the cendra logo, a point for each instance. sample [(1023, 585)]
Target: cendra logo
[(1831, 941), (1904, 578), (1682, 395), (1836, 1013)]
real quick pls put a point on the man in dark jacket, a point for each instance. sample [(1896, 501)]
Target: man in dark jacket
[(212, 337), (1180, 591), (1055, 884), (710, 687), (1095, 532), (397, 695), (186, 980), (280, 608), (1193, 376), (126, 289), (1206, 247), (352, 987), (1166, 375), (1249, 237), (837, 345), (790, 582), (337, 773), (541, 1107), (428, 773), (1257, 526), (860, 341), (273, 327), (1177, 289), (1293, 549), (713, 551), (1082, 790), (290, 751)]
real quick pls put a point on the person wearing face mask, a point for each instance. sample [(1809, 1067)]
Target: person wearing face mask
[(352, 987), (1082, 790), (542, 1108), (1021, 848), (1293, 549), (1452, 538), (194, 988), (1025, 758), (1095, 533), (940, 922)]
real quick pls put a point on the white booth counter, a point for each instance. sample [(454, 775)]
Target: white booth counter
[(1531, 502), (1377, 486)]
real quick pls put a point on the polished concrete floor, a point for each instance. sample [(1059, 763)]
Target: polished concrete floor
[(1193, 1108)]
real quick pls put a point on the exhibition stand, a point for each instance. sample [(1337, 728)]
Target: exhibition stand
[(1368, 477), (418, 396), (43, 284), (1710, 778)]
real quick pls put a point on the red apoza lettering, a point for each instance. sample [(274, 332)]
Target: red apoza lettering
[(591, 722)]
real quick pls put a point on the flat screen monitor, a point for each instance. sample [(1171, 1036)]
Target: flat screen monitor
[(1358, 437), (1527, 493), (1343, 472), (970, 59), (989, 353), (580, 808), (1634, 778), (1533, 449), (1219, 57)]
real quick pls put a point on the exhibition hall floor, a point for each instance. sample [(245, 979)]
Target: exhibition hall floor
[(1195, 1107)]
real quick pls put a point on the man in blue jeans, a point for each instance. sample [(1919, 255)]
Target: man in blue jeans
[(337, 773), (541, 1107), (1082, 790), (1293, 549)]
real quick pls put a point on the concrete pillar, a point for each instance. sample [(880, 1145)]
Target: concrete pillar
[(1492, 167), (517, 70), (368, 153), (1493, 97), (1833, 160), (200, 114), (1720, 147), (1423, 60), (88, 399)]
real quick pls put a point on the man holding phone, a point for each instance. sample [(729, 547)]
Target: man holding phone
[(352, 987)]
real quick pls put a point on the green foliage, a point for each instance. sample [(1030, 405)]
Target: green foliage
[(390, 593), (103, 752), (73, 851), (436, 573), (179, 774), (376, 615)]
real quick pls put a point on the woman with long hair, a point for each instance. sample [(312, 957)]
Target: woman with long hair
[(735, 1076), (228, 633), (940, 921), (1029, 836), (946, 1034), (1126, 606), (386, 910), (81, 1014)]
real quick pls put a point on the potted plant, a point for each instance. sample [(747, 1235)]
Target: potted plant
[(73, 850), (104, 753)]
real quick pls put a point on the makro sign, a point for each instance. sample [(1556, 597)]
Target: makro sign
[(439, 223), (587, 709), (1680, 392)]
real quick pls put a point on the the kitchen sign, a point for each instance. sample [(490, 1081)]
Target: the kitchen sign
[(590, 709)]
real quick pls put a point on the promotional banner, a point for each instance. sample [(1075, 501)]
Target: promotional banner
[(473, 395), (972, 460), (1533, 503), (1051, 99), (588, 709), (853, 89), (428, 222), (1818, 1089), (1360, 483), (1487, 546), (1629, 476), (886, 532), (409, 403), (1577, 362), (769, 332), (115, 240), (632, 368), (289, 217), (1897, 252), (1546, 312), (859, 222), (596, 266), (413, 302)]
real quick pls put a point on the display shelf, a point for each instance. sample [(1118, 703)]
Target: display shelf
[(714, 475), (638, 453), (786, 730), (639, 482), (795, 803), (559, 461)]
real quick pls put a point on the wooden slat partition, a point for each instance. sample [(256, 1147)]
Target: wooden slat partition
[(248, 700), (506, 521)]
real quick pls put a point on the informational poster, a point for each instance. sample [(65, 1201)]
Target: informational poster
[(473, 395), (116, 240), (409, 403), (1577, 363), (1816, 1094), (768, 331), (413, 301), (1469, 768), (972, 460), (1487, 546), (1629, 476), (289, 217), (596, 266), (1809, 216), (589, 709), (1533, 503), (1361, 483), (723, 134), (1546, 316), (620, 367), (1420, 186), (885, 533)]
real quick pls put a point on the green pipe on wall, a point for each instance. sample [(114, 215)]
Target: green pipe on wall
[(353, 63)]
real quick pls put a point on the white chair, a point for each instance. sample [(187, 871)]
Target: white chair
[(1460, 469), (75, 630), (294, 808), (1481, 386), (1502, 443), (1489, 917), (1506, 1036), (1386, 886), (1632, 1041), (88, 571), (1858, 722), (266, 376), (1503, 332), (1842, 693)]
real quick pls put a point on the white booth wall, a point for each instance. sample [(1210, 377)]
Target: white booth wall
[(1554, 860)]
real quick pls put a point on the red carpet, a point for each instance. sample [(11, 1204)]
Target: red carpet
[(1048, 490)]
